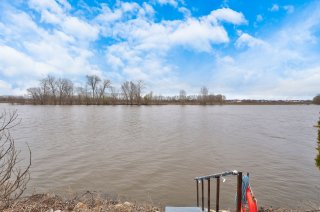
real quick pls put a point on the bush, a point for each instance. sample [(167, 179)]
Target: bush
[(13, 178), (316, 99)]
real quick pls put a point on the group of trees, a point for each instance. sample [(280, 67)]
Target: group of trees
[(97, 91), (316, 99)]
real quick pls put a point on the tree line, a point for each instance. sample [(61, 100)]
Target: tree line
[(98, 91)]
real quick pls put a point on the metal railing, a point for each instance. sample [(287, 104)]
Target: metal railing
[(217, 177)]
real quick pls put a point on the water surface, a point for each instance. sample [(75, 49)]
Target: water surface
[(154, 152)]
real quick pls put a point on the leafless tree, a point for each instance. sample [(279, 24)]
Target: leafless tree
[(102, 89), (114, 94), (65, 89), (131, 92), (52, 86), (203, 95), (13, 178), (148, 98), (35, 94), (126, 92), (182, 95), (316, 99), (137, 89), (45, 91), (92, 81)]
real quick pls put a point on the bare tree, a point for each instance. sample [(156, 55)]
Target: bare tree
[(52, 86), (204, 95), (148, 98), (102, 89), (92, 81), (126, 88), (131, 92), (35, 93), (182, 95), (13, 178), (65, 90), (137, 89), (114, 94), (45, 91)]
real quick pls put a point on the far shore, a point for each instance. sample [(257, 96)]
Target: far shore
[(173, 101)]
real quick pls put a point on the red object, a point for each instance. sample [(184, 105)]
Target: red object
[(252, 203)]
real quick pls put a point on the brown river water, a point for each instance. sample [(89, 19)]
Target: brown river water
[(153, 153)]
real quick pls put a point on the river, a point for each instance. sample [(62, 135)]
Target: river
[(152, 153)]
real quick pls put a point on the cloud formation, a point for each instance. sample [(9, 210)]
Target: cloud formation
[(133, 41), (59, 42)]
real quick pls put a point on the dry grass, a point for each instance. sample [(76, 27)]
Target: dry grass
[(88, 202)]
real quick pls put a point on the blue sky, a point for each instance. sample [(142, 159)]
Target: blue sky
[(243, 49)]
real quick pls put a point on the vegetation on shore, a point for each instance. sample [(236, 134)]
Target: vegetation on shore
[(97, 91), (317, 159), (13, 177)]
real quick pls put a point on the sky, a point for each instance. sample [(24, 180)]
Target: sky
[(266, 49)]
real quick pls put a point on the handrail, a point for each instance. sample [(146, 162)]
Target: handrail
[(217, 176), (234, 172)]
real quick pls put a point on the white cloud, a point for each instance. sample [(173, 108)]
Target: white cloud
[(15, 63), (289, 8), (80, 29), (55, 12), (245, 40), (282, 65), (259, 18), (142, 54), (4, 86), (198, 35), (107, 15), (227, 15), (173, 3), (29, 51), (274, 8), (49, 5), (186, 12)]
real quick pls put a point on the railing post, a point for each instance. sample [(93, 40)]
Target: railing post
[(208, 194), (197, 182), (202, 198), (239, 192), (217, 194)]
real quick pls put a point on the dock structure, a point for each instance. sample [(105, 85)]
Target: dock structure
[(201, 180)]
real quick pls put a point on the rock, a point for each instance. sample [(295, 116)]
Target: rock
[(50, 210), (97, 209), (80, 207), (50, 195), (128, 204), (58, 211), (118, 206)]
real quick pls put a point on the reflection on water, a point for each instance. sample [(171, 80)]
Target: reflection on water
[(318, 148), (154, 152)]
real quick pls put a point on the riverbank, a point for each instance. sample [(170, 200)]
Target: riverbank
[(93, 202), (87, 202)]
